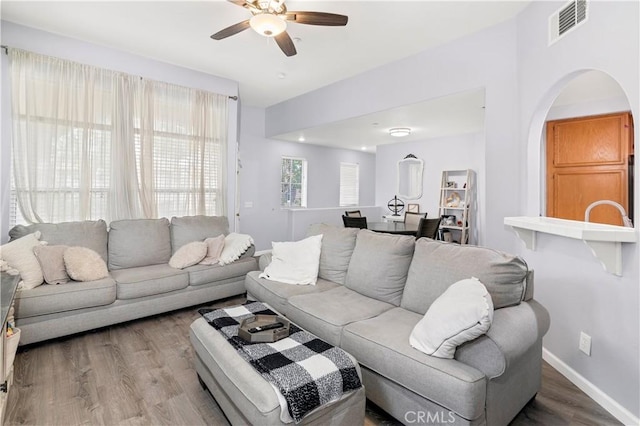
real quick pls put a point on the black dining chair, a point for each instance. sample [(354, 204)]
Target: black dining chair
[(428, 228), (353, 213), (413, 219), (354, 222)]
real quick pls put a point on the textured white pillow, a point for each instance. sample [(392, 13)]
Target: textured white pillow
[(188, 255), (215, 245), (234, 245), (19, 255), (295, 262), (84, 264), (462, 313)]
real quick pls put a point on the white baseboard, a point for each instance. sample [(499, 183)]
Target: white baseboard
[(595, 393)]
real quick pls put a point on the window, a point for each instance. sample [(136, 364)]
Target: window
[(293, 182), (90, 143), (349, 184)]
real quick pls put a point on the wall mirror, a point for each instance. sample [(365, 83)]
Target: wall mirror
[(410, 171), (589, 152)]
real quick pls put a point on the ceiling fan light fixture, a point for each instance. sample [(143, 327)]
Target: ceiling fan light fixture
[(268, 24), (400, 132)]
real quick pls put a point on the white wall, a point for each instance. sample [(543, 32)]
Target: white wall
[(260, 178), (521, 76), (26, 38), (439, 154), (570, 283), (484, 60)]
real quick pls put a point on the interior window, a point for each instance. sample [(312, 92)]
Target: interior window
[(349, 184), (293, 192)]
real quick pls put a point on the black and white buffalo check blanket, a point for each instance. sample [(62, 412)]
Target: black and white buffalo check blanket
[(308, 371)]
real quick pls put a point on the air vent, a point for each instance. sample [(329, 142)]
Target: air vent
[(566, 19)]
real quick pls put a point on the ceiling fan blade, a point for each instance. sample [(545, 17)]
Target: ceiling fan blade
[(317, 18), (232, 30), (286, 44)]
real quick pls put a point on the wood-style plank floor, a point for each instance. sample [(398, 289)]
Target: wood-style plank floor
[(141, 373)]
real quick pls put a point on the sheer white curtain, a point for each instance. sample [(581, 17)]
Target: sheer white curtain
[(90, 143)]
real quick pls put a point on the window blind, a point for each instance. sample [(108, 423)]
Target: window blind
[(349, 184)]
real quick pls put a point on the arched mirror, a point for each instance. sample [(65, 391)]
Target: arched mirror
[(589, 152), (410, 171)]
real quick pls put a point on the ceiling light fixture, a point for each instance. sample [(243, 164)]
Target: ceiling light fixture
[(267, 24), (400, 132), (301, 139)]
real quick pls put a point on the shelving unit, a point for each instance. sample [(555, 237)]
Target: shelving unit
[(8, 344), (457, 197)]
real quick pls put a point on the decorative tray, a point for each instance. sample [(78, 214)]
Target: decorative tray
[(263, 329)]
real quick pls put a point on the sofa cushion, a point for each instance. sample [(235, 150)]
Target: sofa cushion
[(205, 274), (88, 233), (138, 242), (51, 261), (196, 228), (144, 281), (461, 314), (49, 299), (326, 313), (382, 345), (275, 293), (436, 265), (337, 247), (379, 265)]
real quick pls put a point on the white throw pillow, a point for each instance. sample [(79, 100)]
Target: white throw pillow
[(19, 255), (295, 262), (462, 313), (234, 245), (84, 264), (215, 245), (188, 255)]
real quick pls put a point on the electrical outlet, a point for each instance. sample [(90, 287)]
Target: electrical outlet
[(585, 343)]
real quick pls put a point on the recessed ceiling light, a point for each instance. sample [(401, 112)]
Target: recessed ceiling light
[(297, 40), (281, 75), (301, 139), (364, 148), (400, 132)]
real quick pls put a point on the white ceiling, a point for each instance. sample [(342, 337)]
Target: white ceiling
[(178, 32), (378, 32)]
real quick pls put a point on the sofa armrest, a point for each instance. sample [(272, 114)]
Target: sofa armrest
[(264, 261), (513, 331)]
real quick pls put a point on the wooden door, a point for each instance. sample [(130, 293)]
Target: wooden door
[(587, 161)]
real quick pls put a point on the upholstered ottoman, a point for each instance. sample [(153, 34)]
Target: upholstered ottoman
[(245, 396)]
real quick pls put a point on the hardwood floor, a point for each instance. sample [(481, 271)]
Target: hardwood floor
[(141, 373)]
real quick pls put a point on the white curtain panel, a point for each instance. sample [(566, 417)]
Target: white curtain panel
[(90, 143)]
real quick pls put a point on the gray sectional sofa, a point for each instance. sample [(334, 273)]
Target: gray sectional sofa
[(374, 288), (140, 281)]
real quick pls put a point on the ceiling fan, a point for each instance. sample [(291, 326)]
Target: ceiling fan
[(270, 20)]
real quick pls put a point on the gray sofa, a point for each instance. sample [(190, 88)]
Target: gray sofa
[(140, 282), (374, 288)]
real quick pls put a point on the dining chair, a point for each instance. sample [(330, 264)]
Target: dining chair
[(413, 219), (354, 222), (353, 213), (428, 228)]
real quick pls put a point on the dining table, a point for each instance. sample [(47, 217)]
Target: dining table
[(393, 227)]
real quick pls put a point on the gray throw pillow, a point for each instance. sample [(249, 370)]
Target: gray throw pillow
[(52, 263)]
